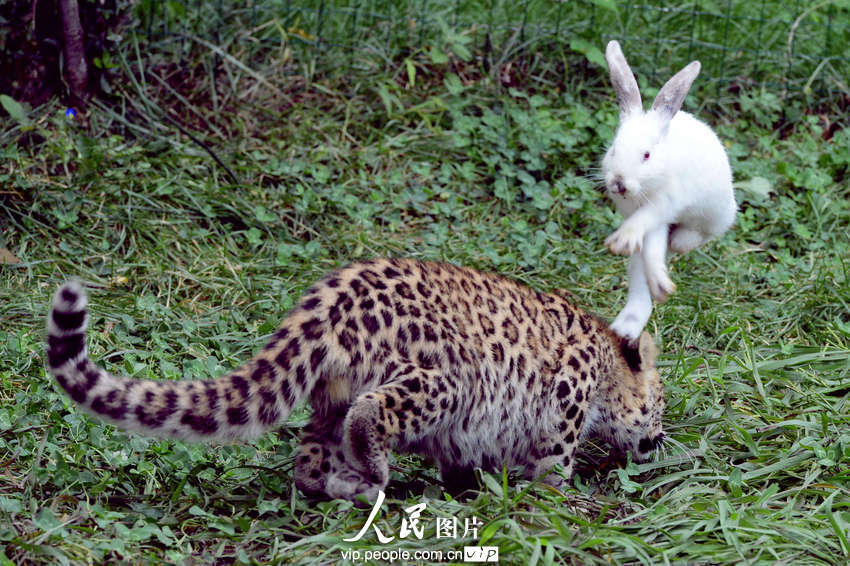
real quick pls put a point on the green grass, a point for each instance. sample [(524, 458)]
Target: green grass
[(190, 272)]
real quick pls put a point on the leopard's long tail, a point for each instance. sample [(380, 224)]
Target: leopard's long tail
[(252, 399)]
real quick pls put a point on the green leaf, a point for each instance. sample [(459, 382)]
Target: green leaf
[(15, 109), (453, 84), (438, 56), (494, 486), (590, 51), (411, 72), (11, 505), (254, 236), (607, 4), (46, 520), (756, 186), (735, 482), (626, 482), (842, 326), (489, 530), (263, 215), (389, 99)]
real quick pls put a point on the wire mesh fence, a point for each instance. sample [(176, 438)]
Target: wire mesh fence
[(792, 47)]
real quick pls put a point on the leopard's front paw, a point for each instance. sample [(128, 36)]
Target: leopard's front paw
[(349, 484)]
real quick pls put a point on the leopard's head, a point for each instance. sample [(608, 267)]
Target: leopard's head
[(630, 403)]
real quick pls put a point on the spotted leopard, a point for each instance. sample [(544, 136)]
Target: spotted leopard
[(469, 368)]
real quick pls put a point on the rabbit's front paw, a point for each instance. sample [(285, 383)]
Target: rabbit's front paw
[(626, 240), (628, 324), (660, 284)]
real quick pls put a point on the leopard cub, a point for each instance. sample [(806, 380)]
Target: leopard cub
[(471, 369)]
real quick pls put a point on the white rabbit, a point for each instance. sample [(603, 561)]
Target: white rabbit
[(669, 177)]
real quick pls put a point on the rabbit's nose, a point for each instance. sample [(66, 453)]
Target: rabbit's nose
[(618, 186)]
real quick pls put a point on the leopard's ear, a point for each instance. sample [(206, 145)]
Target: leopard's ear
[(640, 354)]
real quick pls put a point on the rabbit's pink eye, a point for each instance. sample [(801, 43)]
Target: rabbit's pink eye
[(645, 155)]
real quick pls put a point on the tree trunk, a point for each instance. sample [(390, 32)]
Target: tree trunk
[(76, 70)]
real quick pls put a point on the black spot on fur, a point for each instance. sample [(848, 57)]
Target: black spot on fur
[(584, 321), (312, 329), (574, 363), (429, 333), (151, 419), (311, 303), (239, 383), (373, 279), (268, 413), (348, 341), (403, 290), (486, 324), (68, 320), (427, 361), (69, 296), (301, 376), (498, 352), (79, 391), (370, 323), (286, 392), (563, 390), (113, 404), (237, 415), (359, 288), (391, 273), (413, 330), (400, 309), (630, 354), (60, 349), (291, 350), (334, 315), (423, 289), (280, 335), (212, 397), (202, 424), (571, 412), (317, 356), (263, 371), (351, 324)]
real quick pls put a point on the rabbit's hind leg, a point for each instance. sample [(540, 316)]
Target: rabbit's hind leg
[(683, 240)]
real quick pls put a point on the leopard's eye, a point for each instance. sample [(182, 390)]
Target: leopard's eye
[(645, 155)]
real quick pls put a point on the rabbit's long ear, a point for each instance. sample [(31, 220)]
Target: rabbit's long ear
[(672, 94), (628, 95)]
